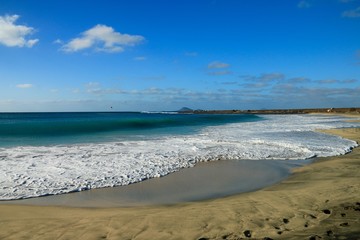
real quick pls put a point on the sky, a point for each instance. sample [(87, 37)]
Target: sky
[(141, 55)]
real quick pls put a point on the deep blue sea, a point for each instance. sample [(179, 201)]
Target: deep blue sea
[(19, 129), (54, 153)]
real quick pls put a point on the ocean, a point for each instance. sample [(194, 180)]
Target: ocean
[(53, 153), (44, 129)]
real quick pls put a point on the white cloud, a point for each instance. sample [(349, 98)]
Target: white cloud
[(272, 76), (24, 85), (266, 77), (355, 13), (217, 64), (58, 41), (75, 91), (230, 83), (304, 4), (102, 38), (96, 89), (92, 84), (328, 81), (140, 58), (12, 35), (350, 81), (191, 54), (217, 68), (297, 80)]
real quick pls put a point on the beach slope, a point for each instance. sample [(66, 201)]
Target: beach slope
[(319, 200)]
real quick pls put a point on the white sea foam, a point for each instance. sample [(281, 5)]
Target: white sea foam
[(31, 171)]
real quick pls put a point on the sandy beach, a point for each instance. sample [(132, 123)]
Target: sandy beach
[(318, 201)]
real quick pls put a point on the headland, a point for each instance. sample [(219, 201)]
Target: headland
[(353, 110)]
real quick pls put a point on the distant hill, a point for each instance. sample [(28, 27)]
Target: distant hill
[(185, 109)]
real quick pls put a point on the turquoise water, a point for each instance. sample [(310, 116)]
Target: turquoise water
[(18, 129)]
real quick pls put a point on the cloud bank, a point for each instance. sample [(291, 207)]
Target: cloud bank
[(12, 35)]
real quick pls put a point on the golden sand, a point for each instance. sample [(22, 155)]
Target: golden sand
[(319, 200)]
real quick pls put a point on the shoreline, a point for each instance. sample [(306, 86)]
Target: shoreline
[(317, 200), (331, 111), (204, 181)]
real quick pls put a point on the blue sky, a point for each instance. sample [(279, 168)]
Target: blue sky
[(163, 55)]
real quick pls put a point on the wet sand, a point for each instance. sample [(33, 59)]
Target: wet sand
[(319, 200)]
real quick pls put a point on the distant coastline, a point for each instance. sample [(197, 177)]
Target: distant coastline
[(278, 111)]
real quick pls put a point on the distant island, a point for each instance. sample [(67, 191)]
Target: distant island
[(185, 109), (274, 111)]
